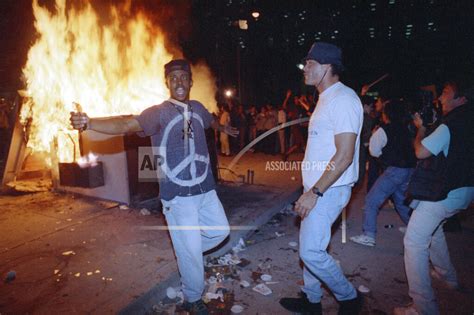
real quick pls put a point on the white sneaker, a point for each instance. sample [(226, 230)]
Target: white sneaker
[(405, 310), (363, 240)]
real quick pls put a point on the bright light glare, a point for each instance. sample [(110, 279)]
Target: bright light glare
[(228, 93), (255, 14)]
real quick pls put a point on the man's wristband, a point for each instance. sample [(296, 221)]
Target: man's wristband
[(316, 191)]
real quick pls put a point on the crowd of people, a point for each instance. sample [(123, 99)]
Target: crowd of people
[(407, 153), (253, 122)]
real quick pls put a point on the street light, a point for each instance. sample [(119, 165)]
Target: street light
[(255, 14), (228, 93)]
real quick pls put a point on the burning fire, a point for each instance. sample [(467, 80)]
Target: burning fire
[(109, 68)]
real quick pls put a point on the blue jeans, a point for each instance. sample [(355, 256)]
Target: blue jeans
[(315, 234), (393, 182), (424, 241), (196, 224)]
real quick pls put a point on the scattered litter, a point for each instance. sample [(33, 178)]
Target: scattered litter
[(244, 284), (278, 234), (243, 262), (97, 271), (56, 271), (265, 265), (214, 296), (171, 293), (90, 273), (236, 309), (293, 244), (69, 252), (363, 289), (212, 280), (272, 282), (77, 275), (123, 207), (11, 275), (262, 289), (145, 211), (266, 277), (239, 247), (228, 259)]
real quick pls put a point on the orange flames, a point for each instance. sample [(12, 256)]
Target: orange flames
[(113, 68)]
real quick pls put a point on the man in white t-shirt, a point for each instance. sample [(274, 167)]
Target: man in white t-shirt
[(329, 169)]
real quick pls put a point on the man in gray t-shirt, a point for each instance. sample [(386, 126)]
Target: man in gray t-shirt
[(187, 187)]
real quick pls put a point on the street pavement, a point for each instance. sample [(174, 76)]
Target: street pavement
[(77, 255)]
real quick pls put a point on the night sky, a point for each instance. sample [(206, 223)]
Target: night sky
[(417, 42)]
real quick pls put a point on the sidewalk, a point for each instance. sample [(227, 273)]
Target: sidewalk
[(77, 255)]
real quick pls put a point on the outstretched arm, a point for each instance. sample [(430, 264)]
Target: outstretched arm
[(110, 125)]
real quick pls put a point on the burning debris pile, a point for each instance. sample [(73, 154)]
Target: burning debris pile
[(111, 63)]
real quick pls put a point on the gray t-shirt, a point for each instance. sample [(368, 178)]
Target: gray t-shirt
[(185, 167)]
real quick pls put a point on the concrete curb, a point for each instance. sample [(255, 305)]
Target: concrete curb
[(145, 302)]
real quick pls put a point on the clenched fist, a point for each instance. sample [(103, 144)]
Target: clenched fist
[(79, 120)]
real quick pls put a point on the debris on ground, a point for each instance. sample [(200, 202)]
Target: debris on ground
[(123, 207), (69, 252), (363, 289), (266, 277), (293, 244), (244, 284), (236, 309), (145, 211), (262, 289), (278, 234), (11, 275), (239, 247), (171, 293)]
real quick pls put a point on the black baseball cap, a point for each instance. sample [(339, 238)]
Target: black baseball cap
[(325, 53), (177, 64)]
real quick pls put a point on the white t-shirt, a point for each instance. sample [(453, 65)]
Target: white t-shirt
[(338, 110), (377, 142)]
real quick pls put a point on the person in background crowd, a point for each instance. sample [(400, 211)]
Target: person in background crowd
[(424, 239), (391, 143), (282, 131), (224, 120), (375, 167), (260, 126), (241, 125), (367, 128), (251, 121), (333, 150), (271, 122)]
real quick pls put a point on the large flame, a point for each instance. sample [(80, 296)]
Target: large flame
[(109, 68)]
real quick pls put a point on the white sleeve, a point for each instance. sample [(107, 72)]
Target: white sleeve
[(346, 115), (438, 141), (377, 142)]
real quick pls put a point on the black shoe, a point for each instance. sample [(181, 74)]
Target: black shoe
[(301, 305), (351, 307), (195, 308)]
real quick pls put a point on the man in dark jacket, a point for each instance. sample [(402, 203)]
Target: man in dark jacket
[(424, 239)]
